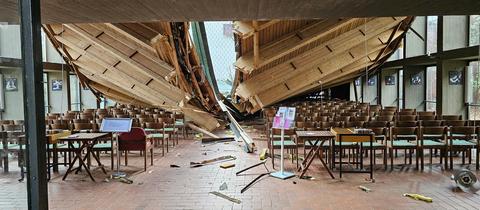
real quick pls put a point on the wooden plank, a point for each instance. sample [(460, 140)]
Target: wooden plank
[(311, 60), (290, 42)]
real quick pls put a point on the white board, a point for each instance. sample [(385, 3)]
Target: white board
[(116, 125)]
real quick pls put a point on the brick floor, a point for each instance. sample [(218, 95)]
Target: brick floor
[(162, 187)]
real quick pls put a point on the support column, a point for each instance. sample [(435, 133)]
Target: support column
[(34, 105)]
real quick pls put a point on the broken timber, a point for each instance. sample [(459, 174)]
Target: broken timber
[(296, 56), (144, 64)]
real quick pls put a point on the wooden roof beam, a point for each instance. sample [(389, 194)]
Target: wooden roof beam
[(246, 29)]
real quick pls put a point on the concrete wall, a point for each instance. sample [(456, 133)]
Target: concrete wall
[(389, 92), (414, 94), (453, 99), (415, 45), (13, 99), (58, 99), (10, 45), (455, 32)]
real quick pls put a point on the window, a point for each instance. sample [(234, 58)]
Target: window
[(45, 93), (474, 35), (75, 99), (431, 89), (432, 26), (400, 88), (473, 90)]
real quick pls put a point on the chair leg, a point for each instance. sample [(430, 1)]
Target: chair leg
[(273, 158), (145, 161), (151, 156), (111, 158), (385, 158), (391, 158), (477, 164), (163, 147), (126, 158)]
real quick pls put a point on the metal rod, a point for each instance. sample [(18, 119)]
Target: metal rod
[(34, 109)]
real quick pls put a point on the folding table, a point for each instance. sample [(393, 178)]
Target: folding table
[(88, 141), (316, 140)]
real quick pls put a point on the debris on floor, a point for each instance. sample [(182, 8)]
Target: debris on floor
[(418, 197), (204, 162), (227, 165), (106, 180), (365, 189), (263, 154), (221, 195), (307, 177), (216, 140), (294, 182), (223, 187), (466, 181), (174, 166), (204, 153), (124, 180)]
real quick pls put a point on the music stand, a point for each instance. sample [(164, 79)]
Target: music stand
[(117, 126)]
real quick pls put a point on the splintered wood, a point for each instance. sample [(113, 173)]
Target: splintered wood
[(146, 64), (281, 59)]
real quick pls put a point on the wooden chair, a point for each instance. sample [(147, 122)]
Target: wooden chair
[(170, 128), (463, 139), (405, 138), (380, 128), (451, 117), (433, 138), (84, 127), (136, 140), (431, 123), (289, 143), (180, 123), (156, 132)]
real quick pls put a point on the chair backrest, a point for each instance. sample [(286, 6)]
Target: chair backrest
[(387, 118), (61, 126), (377, 124), (12, 127), (287, 132), (19, 122), (401, 113), (407, 118), (361, 118), (83, 126), (427, 117), (154, 125), (462, 130), (386, 113), (354, 124), (438, 130), (81, 121), (135, 134), (167, 121), (431, 123), (406, 124), (390, 108), (404, 131)]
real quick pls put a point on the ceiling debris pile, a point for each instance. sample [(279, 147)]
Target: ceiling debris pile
[(280, 59), (147, 64)]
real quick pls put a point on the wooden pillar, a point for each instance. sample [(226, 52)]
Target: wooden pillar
[(69, 95), (256, 45)]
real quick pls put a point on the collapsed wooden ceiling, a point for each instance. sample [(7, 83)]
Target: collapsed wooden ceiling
[(148, 64), (280, 59)]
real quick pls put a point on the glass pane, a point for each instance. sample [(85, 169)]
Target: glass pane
[(431, 94), (75, 93), (400, 84), (473, 90), (13, 186), (222, 51), (432, 25), (474, 30)]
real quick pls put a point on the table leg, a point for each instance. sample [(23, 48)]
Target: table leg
[(90, 150), (69, 170), (55, 158), (5, 153)]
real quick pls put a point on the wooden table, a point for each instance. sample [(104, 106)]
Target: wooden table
[(348, 135), (316, 140), (88, 141)]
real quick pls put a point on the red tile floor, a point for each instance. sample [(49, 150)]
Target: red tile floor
[(163, 187)]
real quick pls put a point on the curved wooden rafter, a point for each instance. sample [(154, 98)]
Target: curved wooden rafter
[(324, 51), (127, 63)]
